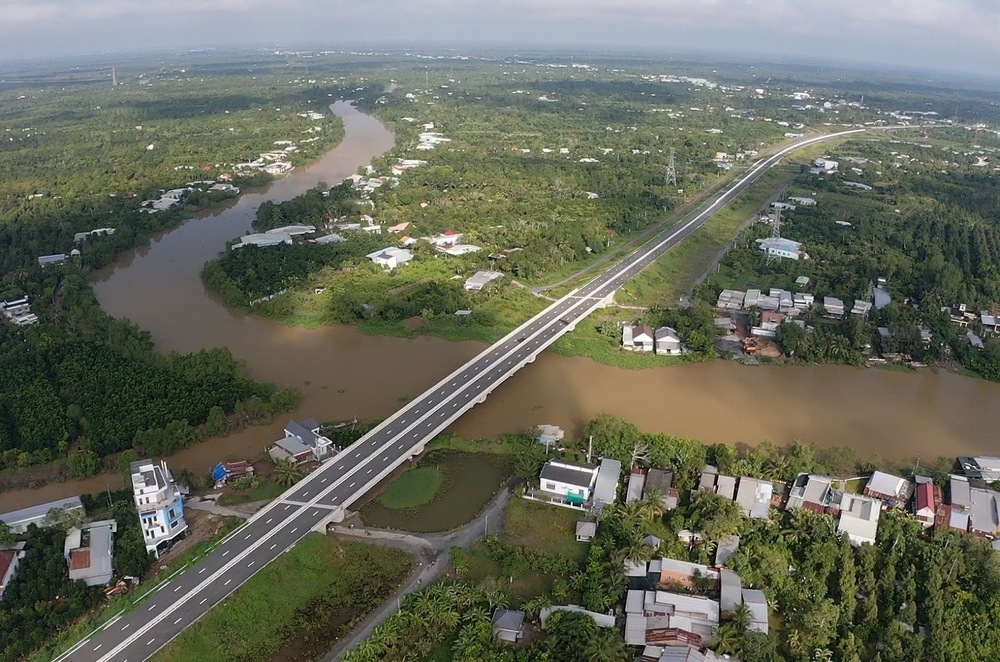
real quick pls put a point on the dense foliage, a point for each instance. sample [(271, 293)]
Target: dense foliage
[(41, 599)]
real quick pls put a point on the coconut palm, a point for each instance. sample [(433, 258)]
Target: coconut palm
[(287, 473), (534, 606), (605, 646), (726, 640), (739, 618)]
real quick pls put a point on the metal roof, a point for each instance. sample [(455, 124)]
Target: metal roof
[(40, 511), (569, 473), (607, 481)]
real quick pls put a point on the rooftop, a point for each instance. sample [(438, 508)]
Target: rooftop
[(40, 511), (569, 473)]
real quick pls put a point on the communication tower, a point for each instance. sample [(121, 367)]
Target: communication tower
[(775, 234), (114, 77)]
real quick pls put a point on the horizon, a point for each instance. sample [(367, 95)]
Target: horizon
[(932, 36)]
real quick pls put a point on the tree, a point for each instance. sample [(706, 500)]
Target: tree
[(726, 641), (715, 516), (606, 646), (7, 536), (84, 463), (287, 473)]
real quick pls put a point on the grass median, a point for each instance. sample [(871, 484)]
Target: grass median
[(296, 607)]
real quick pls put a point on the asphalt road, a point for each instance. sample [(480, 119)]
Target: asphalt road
[(185, 598)]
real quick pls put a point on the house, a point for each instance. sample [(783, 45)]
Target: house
[(693, 614), (925, 501), (725, 486), (880, 297), (668, 343), (683, 652), (585, 531), (332, 238), (834, 307), (638, 338), (634, 486), (449, 238), (984, 512), (826, 165), (302, 443), (859, 518), (10, 560), (89, 552), (861, 308), (886, 487), (730, 590), (731, 300), (391, 257), (754, 497), (606, 485), (49, 260), (99, 232), (770, 320), (660, 482), (223, 187), (784, 248), (481, 279), (508, 625), (986, 467), (293, 230), (160, 506), (224, 472), (399, 227), (974, 340), (571, 480), (810, 491), (990, 322), (756, 601), (708, 477), (18, 311), (858, 186), (19, 520)]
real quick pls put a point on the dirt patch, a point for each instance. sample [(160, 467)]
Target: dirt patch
[(415, 323), (768, 348), (202, 526)]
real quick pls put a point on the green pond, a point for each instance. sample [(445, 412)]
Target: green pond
[(468, 480)]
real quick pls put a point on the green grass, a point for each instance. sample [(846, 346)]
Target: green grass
[(267, 490), (414, 488), (543, 527), (672, 276), (84, 627), (304, 600)]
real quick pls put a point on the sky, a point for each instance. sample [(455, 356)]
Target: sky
[(958, 35)]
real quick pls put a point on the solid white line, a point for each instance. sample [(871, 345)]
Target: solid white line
[(126, 626), (178, 620), (203, 601)]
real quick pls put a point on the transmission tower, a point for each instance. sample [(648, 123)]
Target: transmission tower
[(671, 178), (114, 77)]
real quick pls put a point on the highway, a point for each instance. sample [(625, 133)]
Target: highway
[(342, 480)]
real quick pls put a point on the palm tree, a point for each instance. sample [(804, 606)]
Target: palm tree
[(838, 347), (287, 473), (653, 507), (739, 618), (533, 607), (605, 646), (726, 640), (776, 468)]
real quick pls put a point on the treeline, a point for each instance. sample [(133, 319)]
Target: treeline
[(247, 274), (314, 207), (81, 385)]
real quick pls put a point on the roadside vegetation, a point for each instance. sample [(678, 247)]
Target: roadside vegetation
[(326, 587)]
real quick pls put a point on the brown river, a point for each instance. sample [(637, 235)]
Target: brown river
[(342, 373)]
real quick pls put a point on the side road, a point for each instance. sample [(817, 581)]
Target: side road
[(433, 552)]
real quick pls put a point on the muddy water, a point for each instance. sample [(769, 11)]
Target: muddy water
[(343, 373)]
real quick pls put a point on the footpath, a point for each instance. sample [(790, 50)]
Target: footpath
[(434, 556)]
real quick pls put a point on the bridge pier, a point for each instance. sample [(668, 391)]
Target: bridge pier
[(336, 516)]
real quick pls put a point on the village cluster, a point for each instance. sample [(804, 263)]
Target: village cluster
[(673, 608)]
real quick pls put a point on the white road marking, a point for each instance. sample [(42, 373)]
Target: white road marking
[(98, 646), (151, 607), (294, 530), (228, 581), (126, 626), (150, 642), (225, 552), (178, 588), (272, 546), (178, 620), (250, 564), (203, 601), (202, 570), (268, 520)]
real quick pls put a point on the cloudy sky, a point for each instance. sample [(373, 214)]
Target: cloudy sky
[(940, 34)]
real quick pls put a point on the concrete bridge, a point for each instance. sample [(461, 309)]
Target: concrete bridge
[(323, 496)]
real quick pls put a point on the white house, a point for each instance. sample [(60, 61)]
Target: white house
[(804, 202), (460, 249), (302, 442), (263, 239), (781, 247), (668, 343), (18, 311), (826, 165), (606, 486), (859, 518), (89, 552), (160, 505), (449, 238), (638, 338), (10, 559), (571, 480), (391, 257)]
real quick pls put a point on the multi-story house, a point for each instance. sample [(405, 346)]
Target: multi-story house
[(160, 506)]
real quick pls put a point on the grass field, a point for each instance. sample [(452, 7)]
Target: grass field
[(295, 607), (414, 488), (543, 527)]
